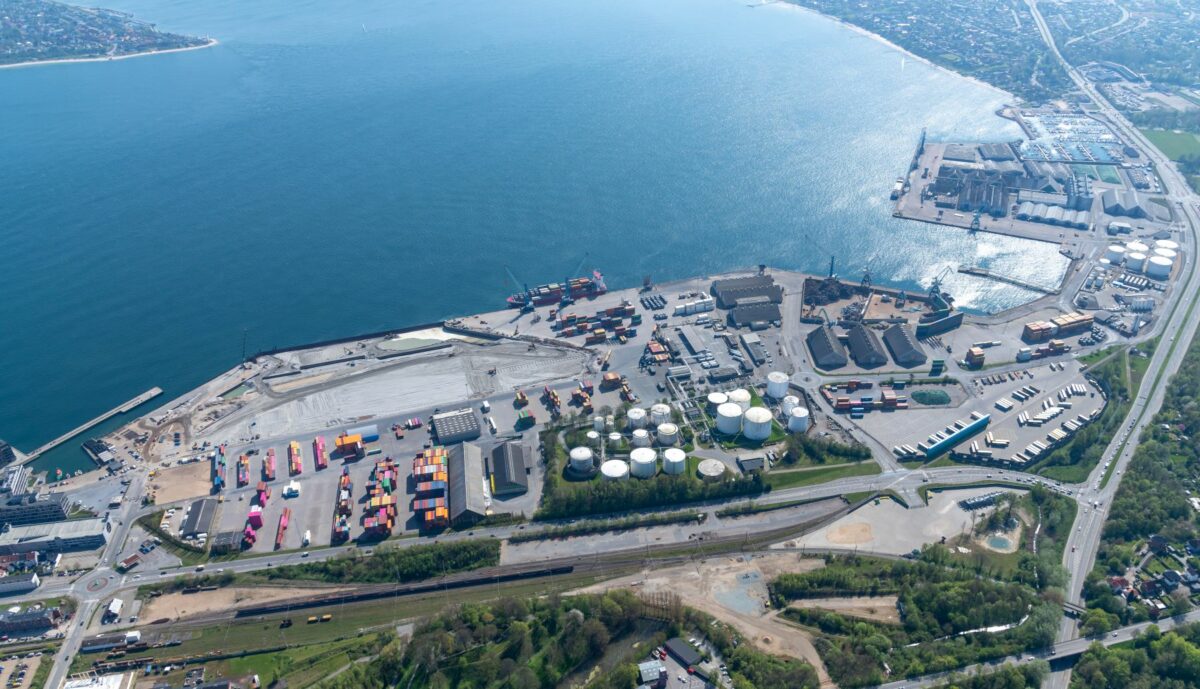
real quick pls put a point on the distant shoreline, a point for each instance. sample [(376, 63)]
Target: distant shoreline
[(107, 58), (1012, 99)]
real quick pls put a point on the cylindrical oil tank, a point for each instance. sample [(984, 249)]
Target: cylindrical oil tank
[(593, 438), (711, 469), (674, 461), (777, 385), (716, 399), (610, 422), (1137, 246), (1135, 261), (1167, 244), (1158, 268), (668, 433), (614, 439), (789, 403), (797, 420), (1169, 254), (641, 438), (660, 414), (598, 424), (756, 423), (581, 459), (1115, 253), (643, 462), (614, 470), (637, 417), (740, 397), (729, 418)]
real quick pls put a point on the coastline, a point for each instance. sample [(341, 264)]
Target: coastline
[(1012, 99), (110, 58)]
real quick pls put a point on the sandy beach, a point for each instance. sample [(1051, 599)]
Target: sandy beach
[(107, 58)]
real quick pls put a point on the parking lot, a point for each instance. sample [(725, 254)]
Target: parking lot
[(16, 672)]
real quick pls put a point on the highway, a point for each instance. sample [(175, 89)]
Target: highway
[(1176, 334)]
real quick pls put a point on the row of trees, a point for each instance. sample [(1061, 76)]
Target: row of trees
[(805, 449), (392, 564), (1153, 661)]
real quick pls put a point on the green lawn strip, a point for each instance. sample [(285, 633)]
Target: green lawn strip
[(808, 477), (749, 507), (43, 669), (1174, 144)]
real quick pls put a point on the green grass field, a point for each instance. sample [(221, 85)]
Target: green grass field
[(808, 477), (1173, 144)]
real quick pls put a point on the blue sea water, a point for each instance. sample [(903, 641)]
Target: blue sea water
[(333, 168)]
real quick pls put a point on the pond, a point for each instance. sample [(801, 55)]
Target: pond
[(999, 542)]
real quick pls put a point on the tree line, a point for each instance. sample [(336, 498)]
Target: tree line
[(397, 564)]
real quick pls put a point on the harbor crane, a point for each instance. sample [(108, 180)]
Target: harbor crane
[(527, 307), (935, 287), (817, 244)]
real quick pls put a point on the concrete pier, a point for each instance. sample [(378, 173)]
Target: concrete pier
[(128, 406)]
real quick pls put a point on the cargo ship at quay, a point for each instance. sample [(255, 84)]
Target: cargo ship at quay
[(554, 292)]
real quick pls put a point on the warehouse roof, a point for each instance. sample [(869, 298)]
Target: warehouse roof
[(681, 651), (508, 469), (200, 517), (728, 292), (456, 426), (865, 347), (904, 346), (74, 529), (744, 315), (464, 467), (827, 351)]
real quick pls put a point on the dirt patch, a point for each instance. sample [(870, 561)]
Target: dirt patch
[(182, 482), (733, 590), (873, 608), (851, 534), (175, 606)]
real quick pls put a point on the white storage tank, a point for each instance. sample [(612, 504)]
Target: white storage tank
[(1115, 253), (643, 462), (636, 417), (614, 439), (1167, 254), (729, 418), (756, 424), (711, 469), (668, 433), (610, 422), (789, 403), (740, 397), (581, 459), (660, 414), (716, 399), (593, 439), (1137, 246), (797, 420), (614, 470), (1135, 261), (598, 424), (674, 461), (1167, 244), (641, 438), (1158, 268), (777, 385)]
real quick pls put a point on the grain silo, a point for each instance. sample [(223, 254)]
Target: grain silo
[(797, 420), (660, 414), (740, 397), (614, 470), (641, 438), (729, 419), (756, 424), (643, 462), (636, 417), (777, 385), (668, 433), (674, 461), (581, 460), (711, 469), (1158, 268)]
